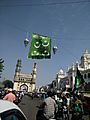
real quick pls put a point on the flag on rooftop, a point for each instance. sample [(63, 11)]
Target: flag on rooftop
[(40, 47), (78, 79)]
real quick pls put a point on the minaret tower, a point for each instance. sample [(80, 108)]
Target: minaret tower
[(18, 67), (17, 73), (34, 73)]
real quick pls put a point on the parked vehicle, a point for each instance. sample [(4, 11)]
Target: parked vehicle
[(10, 111)]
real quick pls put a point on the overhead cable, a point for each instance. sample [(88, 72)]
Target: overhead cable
[(45, 4)]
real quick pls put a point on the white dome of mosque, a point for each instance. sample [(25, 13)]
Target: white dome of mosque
[(61, 71)]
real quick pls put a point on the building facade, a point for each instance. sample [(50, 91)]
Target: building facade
[(63, 80), (22, 81)]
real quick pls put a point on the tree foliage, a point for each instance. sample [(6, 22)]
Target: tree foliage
[(1, 66), (7, 83)]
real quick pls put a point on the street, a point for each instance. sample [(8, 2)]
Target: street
[(28, 106)]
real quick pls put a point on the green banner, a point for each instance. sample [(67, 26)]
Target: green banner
[(40, 47), (78, 79)]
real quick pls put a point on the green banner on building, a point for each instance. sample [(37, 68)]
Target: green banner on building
[(78, 79)]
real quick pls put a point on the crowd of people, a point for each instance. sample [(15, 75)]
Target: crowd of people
[(61, 106), (55, 105), (11, 95)]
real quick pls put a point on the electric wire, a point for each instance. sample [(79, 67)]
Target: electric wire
[(45, 4), (55, 39)]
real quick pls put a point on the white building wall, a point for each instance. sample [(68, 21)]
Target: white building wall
[(15, 87), (83, 66), (33, 87)]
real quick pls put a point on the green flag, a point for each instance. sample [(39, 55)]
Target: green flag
[(40, 47), (78, 79)]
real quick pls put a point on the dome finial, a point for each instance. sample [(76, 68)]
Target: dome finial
[(86, 51)]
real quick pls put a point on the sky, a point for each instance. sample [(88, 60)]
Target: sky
[(66, 22)]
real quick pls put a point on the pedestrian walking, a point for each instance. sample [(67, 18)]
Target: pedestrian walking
[(77, 108), (59, 107), (48, 108), (10, 96)]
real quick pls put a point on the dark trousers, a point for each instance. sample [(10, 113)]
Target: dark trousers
[(76, 116), (40, 115)]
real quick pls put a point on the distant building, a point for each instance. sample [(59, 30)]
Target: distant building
[(23, 81), (63, 80)]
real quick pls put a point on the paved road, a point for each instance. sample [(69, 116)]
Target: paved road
[(28, 106)]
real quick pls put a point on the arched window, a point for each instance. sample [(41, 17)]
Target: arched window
[(85, 76), (88, 75)]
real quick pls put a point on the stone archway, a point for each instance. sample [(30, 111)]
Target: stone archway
[(24, 87)]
